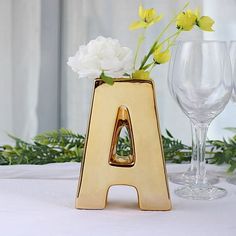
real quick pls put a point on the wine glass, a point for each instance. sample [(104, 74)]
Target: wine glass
[(201, 83), (188, 176), (232, 50)]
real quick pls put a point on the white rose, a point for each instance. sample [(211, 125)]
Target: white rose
[(102, 54)]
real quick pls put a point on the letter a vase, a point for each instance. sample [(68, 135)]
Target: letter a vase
[(128, 104)]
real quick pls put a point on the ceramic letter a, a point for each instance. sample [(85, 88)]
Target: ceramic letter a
[(129, 103)]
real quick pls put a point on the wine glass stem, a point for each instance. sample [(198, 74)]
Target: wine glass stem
[(200, 132), (193, 166)]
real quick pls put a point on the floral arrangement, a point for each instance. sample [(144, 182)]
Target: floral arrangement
[(106, 59)]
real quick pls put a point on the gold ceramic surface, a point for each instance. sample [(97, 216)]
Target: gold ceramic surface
[(130, 103)]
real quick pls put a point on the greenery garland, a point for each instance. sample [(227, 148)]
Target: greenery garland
[(65, 146)]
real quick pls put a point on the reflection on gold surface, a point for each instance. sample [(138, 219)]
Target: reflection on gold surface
[(130, 104)]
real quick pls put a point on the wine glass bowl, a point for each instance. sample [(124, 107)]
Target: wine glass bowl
[(201, 83), (204, 86)]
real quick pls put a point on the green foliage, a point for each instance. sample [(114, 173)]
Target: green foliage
[(48, 147), (224, 151), (65, 146), (174, 150), (124, 147)]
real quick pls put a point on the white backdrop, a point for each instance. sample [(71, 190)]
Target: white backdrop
[(38, 91), (19, 67)]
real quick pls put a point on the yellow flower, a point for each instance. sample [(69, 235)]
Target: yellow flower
[(147, 18), (141, 74), (197, 13), (205, 23), (186, 20), (161, 57)]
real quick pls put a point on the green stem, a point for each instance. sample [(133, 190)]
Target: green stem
[(147, 56), (173, 41), (170, 23), (159, 37), (153, 65), (175, 35), (139, 44)]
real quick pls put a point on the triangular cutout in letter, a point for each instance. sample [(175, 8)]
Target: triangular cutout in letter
[(123, 122)]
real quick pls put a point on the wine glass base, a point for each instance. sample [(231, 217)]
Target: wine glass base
[(201, 192), (231, 180), (185, 178)]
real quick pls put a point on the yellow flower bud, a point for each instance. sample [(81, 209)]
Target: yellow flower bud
[(205, 23), (186, 20), (147, 18), (141, 74), (161, 57), (197, 12), (148, 15)]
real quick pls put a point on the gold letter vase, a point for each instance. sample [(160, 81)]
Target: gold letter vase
[(130, 104)]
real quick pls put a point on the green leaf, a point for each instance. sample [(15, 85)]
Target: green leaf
[(147, 66), (231, 168), (168, 133), (107, 79)]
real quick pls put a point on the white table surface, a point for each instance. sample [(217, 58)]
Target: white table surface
[(39, 200)]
